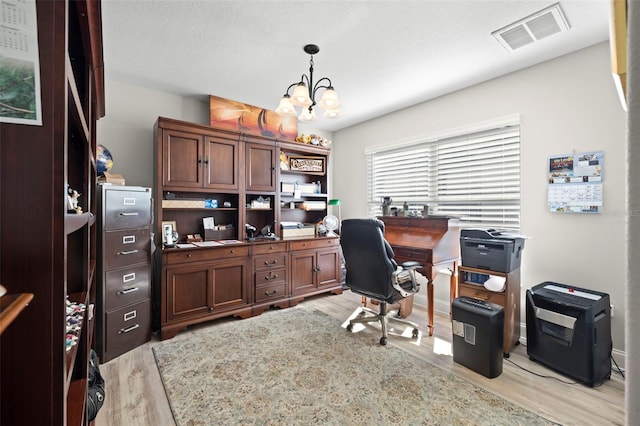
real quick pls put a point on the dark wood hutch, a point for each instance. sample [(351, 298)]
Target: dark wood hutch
[(196, 163)]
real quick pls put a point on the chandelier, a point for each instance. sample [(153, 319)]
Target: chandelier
[(304, 95)]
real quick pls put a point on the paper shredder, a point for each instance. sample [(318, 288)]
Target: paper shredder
[(478, 330), (569, 330)]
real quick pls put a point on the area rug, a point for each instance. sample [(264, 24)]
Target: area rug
[(299, 367)]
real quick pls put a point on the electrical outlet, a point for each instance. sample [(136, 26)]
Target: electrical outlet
[(611, 308)]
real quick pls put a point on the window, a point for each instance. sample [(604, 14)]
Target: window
[(473, 176)]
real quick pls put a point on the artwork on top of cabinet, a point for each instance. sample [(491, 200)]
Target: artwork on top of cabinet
[(244, 118)]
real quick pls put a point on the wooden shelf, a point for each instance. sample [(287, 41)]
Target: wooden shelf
[(10, 307), (73, 222)]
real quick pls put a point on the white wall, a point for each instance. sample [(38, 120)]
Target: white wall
[(127, 127), (565, 104)]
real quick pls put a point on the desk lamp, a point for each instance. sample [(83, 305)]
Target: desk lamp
[(337, 203)]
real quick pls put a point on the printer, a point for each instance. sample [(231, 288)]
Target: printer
[(491, 249), (569, 330)]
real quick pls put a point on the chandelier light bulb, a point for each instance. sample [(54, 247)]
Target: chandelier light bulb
[(286, 106), (330, 99), (301, 95), (332, 113), (308, 114)]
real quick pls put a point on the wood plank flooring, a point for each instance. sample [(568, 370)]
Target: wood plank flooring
[(135, 395)]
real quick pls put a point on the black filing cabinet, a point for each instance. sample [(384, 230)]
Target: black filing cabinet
[(123, 319)]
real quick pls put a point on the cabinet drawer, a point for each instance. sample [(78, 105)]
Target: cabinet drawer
[(271, 292), (128, 327), (269, 248), (314, 244), (276, 260), (122, 248), (126, 286), (182, 256), (479, 292), (270, 277), (405, 254), (127, 209)]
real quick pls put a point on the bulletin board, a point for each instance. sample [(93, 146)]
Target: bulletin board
[(575, 182)]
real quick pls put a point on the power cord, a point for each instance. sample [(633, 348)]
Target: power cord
[(540, 375)]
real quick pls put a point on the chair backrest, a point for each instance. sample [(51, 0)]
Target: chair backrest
[(368, 258)]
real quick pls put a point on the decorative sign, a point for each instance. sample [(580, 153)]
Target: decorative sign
[(20, 102), (306, 164), (575, 182), (238, 117)]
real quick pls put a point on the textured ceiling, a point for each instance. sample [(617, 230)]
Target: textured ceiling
[(380, 55)]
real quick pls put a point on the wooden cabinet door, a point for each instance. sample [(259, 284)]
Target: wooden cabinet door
[(230, 284), (260, 167), (328, 270), (181, 160), (189, 292), (221, 163), (303, 265)]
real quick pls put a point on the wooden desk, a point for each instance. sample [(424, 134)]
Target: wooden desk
[(434, 242)]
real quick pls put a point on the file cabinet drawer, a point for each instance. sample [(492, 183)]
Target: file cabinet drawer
[(126, 286), (271, 277), (122, 248), (128, 327), (276, 260), (126, 209)]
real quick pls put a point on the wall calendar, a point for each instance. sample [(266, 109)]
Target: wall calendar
[(575, 182)]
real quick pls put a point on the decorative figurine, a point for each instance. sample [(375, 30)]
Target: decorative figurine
[(72, 201)]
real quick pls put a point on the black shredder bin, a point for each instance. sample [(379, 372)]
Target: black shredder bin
[(478, 330)]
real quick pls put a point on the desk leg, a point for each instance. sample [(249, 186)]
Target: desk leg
[(430, 305), (453, 286)]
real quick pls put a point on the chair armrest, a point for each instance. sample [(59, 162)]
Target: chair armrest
[(412, 264)]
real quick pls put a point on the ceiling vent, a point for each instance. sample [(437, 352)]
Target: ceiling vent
[(537, 26)]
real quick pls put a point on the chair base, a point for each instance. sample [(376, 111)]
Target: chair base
[(384, 319)]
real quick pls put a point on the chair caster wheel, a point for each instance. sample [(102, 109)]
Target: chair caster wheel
[(350, 327), (415, 333), (383, 341)]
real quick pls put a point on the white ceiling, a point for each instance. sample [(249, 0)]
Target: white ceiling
[(381, 56)]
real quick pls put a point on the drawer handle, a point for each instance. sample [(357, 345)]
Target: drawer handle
[(128, 239), (128, 329), (129, 290), (128, 213), (127, 252), (266, 262), (271, 277), (130, 315), (128, 201), (189, 255), (267, 293), (232, 251), (129, 277)]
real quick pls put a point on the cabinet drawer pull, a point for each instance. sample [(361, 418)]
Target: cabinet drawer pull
[(130, 315), (266, 262), (128, 239), (232, 251), (127, 252), (129, 277), (128, 329), (271, 277), (267, 293), (129, 290), (128, 213)]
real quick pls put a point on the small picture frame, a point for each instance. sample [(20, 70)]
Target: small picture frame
[(168, 228), (307, 164)]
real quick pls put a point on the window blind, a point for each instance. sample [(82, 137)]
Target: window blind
[(474, 176)]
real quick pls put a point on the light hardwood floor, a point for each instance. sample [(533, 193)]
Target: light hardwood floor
[(135, 395)]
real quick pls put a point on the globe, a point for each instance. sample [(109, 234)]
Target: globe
[(104, 160)]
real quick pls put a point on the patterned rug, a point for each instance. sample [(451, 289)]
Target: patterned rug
[(299, 367)]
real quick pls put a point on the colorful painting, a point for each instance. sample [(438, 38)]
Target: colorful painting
[(231, 115)]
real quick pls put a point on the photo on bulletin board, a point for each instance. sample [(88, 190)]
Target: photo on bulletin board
[(575, 182)]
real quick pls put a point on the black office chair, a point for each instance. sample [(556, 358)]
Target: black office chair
[(372, 272)]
